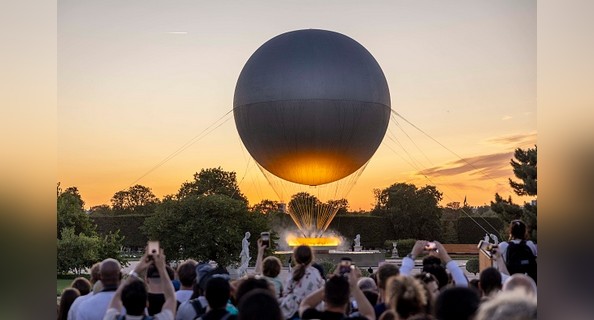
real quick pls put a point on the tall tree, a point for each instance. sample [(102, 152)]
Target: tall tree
[(341, 204), (136, 199), (204, 227), (524, 166), (71, 212), (413, 212), (212, 181)]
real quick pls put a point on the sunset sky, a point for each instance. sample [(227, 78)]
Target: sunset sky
[(137, 80)]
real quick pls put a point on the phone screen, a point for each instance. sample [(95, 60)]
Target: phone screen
[(153, 247), (265, 238)]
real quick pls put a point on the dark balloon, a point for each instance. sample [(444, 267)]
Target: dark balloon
[(311, 106)]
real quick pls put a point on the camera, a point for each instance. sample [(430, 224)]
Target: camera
[(345, 266), (487, 248), (265, 236), (152, 248)]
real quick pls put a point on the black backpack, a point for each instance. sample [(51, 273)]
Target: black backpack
[(520, 259), (200, 310), (123, 317)]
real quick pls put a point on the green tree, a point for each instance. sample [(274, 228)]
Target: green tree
[(136, 199), (212, 181), (524, 166), (506, 209), (71, 212), (204, 227), (341, 204), (76, 251), (413, 212), (266, 207)]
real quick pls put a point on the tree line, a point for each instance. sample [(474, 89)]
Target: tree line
[(208, 216)]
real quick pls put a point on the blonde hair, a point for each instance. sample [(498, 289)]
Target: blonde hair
[(405, 295)]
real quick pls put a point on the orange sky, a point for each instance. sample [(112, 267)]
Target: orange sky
[(138, 80)]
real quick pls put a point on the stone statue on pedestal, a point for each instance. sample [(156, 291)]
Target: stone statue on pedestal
[(244, 255), (394, 249), (357, 246)]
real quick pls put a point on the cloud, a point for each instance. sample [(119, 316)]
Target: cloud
[(515, 140), (506, 118), (176, 32), (488, 166)]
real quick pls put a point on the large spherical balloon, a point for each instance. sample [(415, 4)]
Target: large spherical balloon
[(311, 106)]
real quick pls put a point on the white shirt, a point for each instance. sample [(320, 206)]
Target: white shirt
[(77, 302), (183, 295), (94, 308)]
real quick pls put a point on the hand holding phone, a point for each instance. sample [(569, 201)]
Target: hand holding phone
[(430, 246), (345, 266), (152, 248), (265, 236)]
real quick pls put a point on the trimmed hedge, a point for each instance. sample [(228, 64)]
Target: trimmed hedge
[(374, 230), (472, 265), (129, 226), (470, 232)]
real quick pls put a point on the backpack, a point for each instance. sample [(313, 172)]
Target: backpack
[(520, 259), (200, 310)]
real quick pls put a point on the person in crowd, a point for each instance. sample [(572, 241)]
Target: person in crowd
[(433, 264), (509, 305), (66, 299), (474, 284), (489, 282), (155, 286), (372, 296), (520, 281), (82, 285), (367, 283), (96, 286), (217, 294), (320, 270), (457, 303), (259, 304), (270, 267), (522, 251), (336, 295), (304, 280), (95, 306), (198, 305), (431, 287), (384, 272), (406, 296), (132, 294), (186, 273), (251, 283)]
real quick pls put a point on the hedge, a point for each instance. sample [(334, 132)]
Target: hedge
[(129, 226), (470, 232), (373, 230), (472, 265)]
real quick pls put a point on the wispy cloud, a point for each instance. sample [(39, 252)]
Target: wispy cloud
[(506, 118), (488, 166), (515, 140), (176, 32)]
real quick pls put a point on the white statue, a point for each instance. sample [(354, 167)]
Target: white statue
[(486, 238), (244, 255), (394, 249), (358, 240), (495, 239)]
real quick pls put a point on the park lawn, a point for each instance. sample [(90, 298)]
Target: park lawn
[(63, 283)]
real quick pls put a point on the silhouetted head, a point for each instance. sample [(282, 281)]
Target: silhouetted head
[(82, 285), (134, 297), (186, 273), (337, 292), (110, 272), (517, 229), (490, 281), (259, 304), (457, 303), (217, 292)]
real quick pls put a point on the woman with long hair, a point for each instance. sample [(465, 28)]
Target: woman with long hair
[(304, 280), (66, 299)]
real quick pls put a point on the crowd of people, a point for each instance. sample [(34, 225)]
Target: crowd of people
[(198, 290)]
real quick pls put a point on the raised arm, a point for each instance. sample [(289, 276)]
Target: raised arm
[(260, 257), (408, 262), (116, 300), (365, 308), (170, 301), (311, 301), (454, 269)]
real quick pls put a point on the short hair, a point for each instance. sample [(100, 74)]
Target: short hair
[(406, 295), (371, 296), (511, 305), (367, 283), (134, 297), (336, 291), (490, 280), (95, 274), (517, 229), (271, 266), (217, 292), (110, 272), (520, 281), (457, 303), (259, 304), (249, 284), (187, 273), (384, 272), (82, 285)]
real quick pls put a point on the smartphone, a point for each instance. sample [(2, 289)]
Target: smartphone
[(430, 246), (265, 236), (153, 247), (345, 265)]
